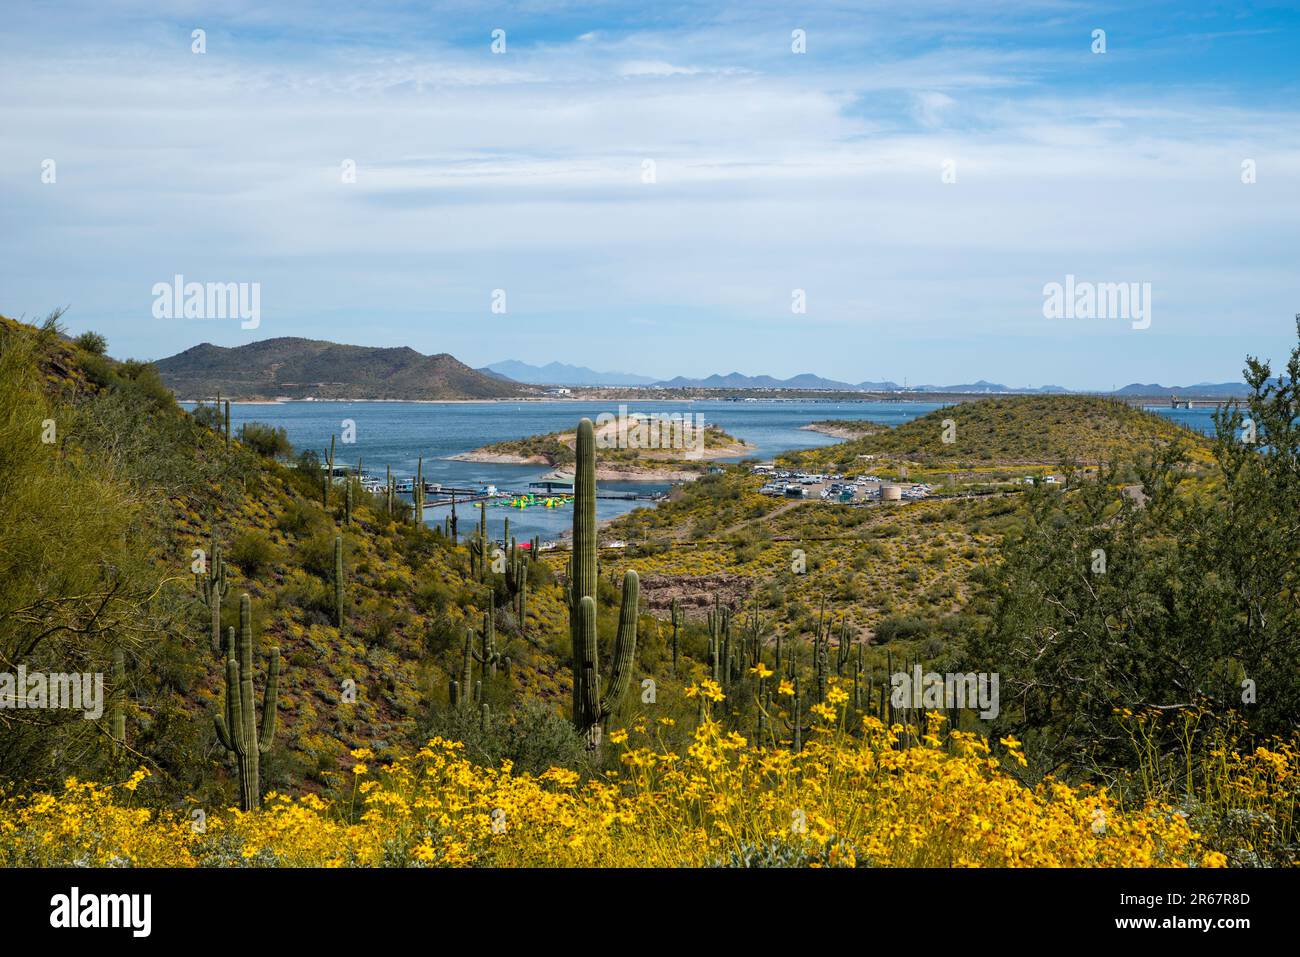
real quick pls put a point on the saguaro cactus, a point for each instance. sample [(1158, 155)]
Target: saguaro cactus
[(237, 729), (677, 625), (590, 707), (227, 423), (329, 473), (482, 542), (845, 649), (475, 552), (417, 491), (490, 656), (517, 581), (212, 586), (857, 682), (521, 606), (338, 580), (467, 664)]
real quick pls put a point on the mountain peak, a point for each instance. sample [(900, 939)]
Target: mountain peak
[(299, 368)]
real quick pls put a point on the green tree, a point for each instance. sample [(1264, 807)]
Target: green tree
[(1180, 590)]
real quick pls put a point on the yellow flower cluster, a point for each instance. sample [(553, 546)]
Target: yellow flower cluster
[(844, 800), (1247, 793)]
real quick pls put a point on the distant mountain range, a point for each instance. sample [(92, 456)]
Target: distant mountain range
[(302, 368), (1224, 389), (808, 381), (735, 380), (560, 374), (557, 373), (563, 375)]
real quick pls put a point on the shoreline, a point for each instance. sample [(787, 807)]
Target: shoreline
[(839, 431), (654, 467)]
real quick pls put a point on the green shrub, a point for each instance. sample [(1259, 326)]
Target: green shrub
[(301, 520), (91, 342), (253, 551), (268, 440), (534, 736), (901, 627)]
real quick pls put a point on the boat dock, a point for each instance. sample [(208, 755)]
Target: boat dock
[(436, 495)]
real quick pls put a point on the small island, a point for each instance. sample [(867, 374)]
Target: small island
[(615, 461)]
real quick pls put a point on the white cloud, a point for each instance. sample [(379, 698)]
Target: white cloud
[(655, 68), (931, 107), (524, 172)]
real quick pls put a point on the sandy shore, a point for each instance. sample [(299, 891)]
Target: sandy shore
[(499, 458), (612, 474)]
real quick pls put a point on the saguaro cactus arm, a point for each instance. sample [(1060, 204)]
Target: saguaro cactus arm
[(624, 646), (270, 700)]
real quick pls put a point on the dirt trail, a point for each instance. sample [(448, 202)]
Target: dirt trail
[(779, 510)]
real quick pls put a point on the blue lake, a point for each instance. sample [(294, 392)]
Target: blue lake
[(398, 433)]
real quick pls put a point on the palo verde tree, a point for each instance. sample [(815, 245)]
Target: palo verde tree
[(1175, 591)]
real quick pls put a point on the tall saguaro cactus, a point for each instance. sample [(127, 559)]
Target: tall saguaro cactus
[(490, 656), (213, 586), (338, 581), (479, 549), (237, 729), (677, 625), (417, 492), (516, 574), (590, 706), (329, 475)]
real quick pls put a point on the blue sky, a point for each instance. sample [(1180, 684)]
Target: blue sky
[(774, 171)]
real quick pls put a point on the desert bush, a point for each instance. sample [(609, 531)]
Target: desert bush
[(254, 552), (271, 441), (91, 342)]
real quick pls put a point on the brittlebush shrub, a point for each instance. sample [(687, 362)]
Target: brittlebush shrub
[(254, 552), (844, 800)]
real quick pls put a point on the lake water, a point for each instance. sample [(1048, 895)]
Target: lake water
[(397, 433)]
